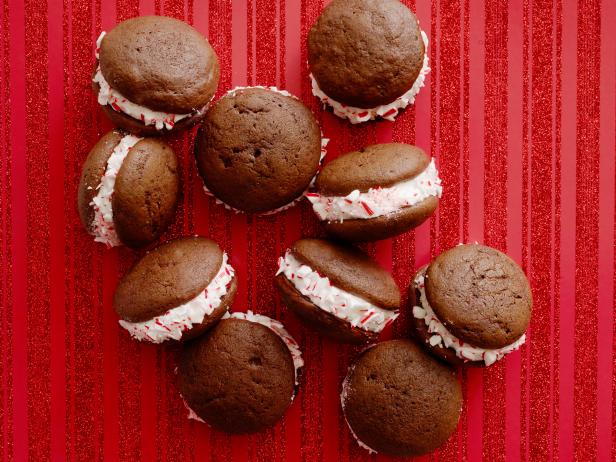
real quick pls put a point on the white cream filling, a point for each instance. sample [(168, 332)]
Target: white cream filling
[(119, 103), (343, 396), (279, 330), (378, 201), (173, 323), (344, 305), (388, 111), (324, 142), (103, 227), (443, 338)]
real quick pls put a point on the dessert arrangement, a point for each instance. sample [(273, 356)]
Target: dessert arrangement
[(260, 150)]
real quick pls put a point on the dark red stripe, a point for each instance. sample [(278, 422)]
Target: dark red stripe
[(17, 109), (587, 232)]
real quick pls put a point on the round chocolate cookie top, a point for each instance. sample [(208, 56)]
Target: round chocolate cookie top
[(349, 269), (146, 192), (258, 149), (239, 378), (365, 53), (480, 294), (168, 276), (377, 165), (160, 63), (400, 401)]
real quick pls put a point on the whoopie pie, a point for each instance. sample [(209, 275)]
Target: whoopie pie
[(337, 289), (377, 192), (242, 376), (154, 74), (399, 401), (177, 291), (258, 150), (367, 58), (129, 189), (472, 305)]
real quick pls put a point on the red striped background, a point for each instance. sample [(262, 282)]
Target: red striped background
[(519, 110)]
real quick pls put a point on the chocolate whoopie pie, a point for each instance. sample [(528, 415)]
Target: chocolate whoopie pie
[(337, 290), (155, 74), (177, 291), (377, 192), (397, 400), (129, 189), (472, 305), (367, 58), (242, 376), (258, 150)]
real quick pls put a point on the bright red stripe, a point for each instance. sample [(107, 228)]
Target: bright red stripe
[(514, 216), (17, 84), (476, 212), (605, 324)]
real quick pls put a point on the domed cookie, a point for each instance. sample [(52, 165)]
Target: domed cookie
[(129, 190), (338, 290), (377, 192), (367, 58), (177, 291), (399, 401), (258, 150), (154, 75), (242, 376), (472, 304)]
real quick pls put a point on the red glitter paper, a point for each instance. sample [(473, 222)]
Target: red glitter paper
[(519, 111)]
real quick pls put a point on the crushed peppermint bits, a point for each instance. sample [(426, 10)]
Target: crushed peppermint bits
[(378, 201), (443, 338), (344, 305), (176, 321)]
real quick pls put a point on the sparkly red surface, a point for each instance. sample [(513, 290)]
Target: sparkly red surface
[(519, 111)]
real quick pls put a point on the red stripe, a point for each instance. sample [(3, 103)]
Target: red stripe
[(514, 217), (476, 212), (587, 232), (16, 18), (605, 321), (495, 202), (57, 237), (37, 217)]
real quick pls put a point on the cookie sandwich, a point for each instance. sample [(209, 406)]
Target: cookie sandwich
[(377, 192), (367, 58), (258, 150), (177, 291), (472, 305), (129, 190), (242, 376), (338, 290), (154, 75), (399, 401)]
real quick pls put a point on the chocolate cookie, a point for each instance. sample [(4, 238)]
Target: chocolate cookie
[(367, 58), (155, 74), (472, 304), (399, 401), (377, 192), (177, 291), (129, 190), (338, 290), (241, 377), (258, 150)]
